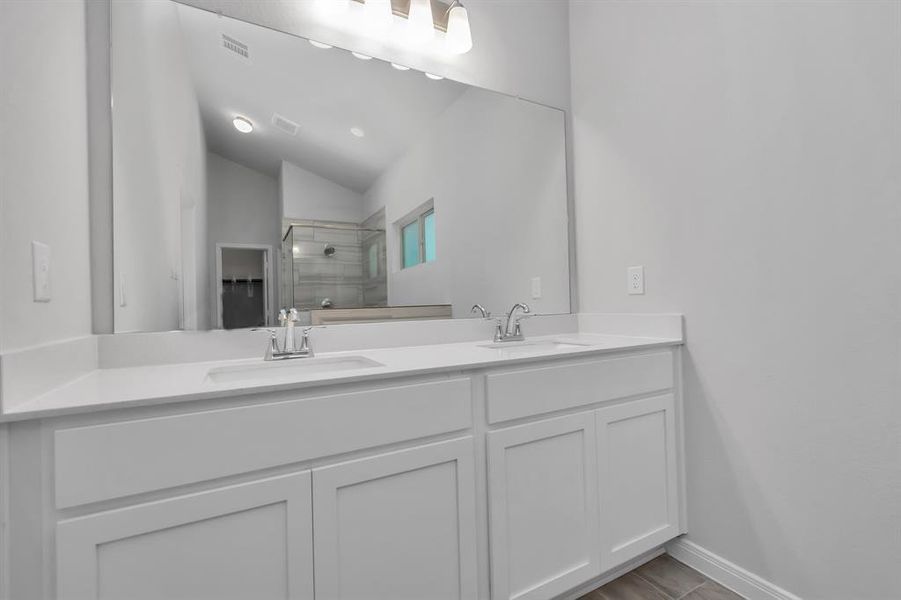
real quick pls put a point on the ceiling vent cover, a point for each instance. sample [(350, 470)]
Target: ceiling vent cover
[(238, 48), (286, 125)]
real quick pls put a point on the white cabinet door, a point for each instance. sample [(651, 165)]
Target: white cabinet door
[(252, 540), (397, 526), (637, 477), (543, 509)]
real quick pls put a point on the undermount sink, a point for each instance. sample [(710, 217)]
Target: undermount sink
[(288, 369), (532, 347)]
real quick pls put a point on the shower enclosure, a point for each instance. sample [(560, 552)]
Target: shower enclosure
[(334, 265)]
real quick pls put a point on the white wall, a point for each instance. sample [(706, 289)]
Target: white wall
[(305, 195), (749, 155), (495, 168), (243, 209), (43, 170), (158, 163)]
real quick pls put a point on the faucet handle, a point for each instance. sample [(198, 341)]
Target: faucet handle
[(272, 348), (498, 330), (282, 316), (293, 316)]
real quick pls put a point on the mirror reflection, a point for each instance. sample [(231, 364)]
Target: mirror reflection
[(255, 172)]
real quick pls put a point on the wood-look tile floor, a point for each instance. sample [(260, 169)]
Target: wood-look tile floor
[(663, 578)]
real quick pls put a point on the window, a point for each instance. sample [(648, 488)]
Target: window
[(417, 236)]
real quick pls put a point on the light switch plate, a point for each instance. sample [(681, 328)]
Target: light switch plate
[(635, 280), (40, 271), (536, 288)]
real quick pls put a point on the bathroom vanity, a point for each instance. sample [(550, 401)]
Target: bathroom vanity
[(260, 179), (464, 470)]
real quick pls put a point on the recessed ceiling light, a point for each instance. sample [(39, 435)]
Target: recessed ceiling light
[(357, 131), (433, 76), (243, 125), (361, 56), (316, 44), (400, 67)]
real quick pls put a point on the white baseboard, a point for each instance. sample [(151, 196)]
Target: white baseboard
[(737, 579), (610, 575)]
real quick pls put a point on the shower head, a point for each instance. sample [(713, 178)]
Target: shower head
[(329, 250)]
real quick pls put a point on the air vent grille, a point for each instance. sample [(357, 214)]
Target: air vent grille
[(286, 125), (237, 47)]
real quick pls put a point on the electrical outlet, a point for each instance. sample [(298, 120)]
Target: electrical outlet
[(40, 271), (536, 288), (635, 280)]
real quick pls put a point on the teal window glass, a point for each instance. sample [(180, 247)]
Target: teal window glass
[(410, 236), (428, 236)]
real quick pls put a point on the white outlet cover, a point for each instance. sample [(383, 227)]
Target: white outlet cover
[(40, 271), (635, 280), (536, 288)]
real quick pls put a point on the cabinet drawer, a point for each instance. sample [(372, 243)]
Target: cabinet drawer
[(113, 460), (525, 392)]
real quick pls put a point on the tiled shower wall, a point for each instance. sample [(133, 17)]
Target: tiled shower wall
[(315, 276)]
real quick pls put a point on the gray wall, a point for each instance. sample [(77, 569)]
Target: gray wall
[(749, 155), (43, 170)]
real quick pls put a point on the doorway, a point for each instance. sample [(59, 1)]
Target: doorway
[(243, 286)]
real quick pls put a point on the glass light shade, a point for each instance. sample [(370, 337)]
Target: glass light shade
[(378, 14), (420, 25), (459, 36)]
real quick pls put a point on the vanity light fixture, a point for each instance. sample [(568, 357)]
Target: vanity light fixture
[(357, 132), (459, 35), (361, 56), (242, 124), (322, 45), (434, 77), (416, 18), (400, 67)]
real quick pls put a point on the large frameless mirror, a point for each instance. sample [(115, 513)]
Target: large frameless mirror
[(254, 171)]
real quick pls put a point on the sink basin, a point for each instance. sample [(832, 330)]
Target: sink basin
[(531, 347), (289, 369)]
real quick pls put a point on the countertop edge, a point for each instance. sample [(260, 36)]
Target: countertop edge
[(24, 412)]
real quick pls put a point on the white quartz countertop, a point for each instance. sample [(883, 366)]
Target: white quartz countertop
[(103, 389)]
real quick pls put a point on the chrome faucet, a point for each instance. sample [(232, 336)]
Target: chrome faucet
[(288, 349), (480, 309), (505, 334)]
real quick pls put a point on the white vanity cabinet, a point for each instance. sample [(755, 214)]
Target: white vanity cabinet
[(573, 496), (518, 482), (637, 467), (252, 540), (399, 526), (543, 490)]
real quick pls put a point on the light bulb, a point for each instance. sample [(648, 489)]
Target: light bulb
[(420, 25), (243, 125), (433, 76), (400, 67), (321, 45), (459, 36), (361, 56)]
